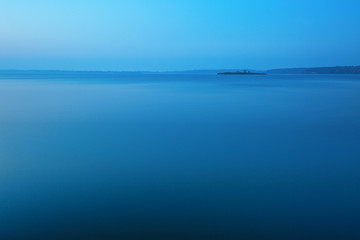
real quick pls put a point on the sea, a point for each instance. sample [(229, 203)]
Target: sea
[(104, 155)]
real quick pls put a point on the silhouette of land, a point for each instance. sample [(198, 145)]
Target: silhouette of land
[(318, 70)]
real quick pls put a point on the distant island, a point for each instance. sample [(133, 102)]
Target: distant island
[(245, 72), (317, 70)]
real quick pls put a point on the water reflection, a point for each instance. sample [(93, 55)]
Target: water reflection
[(179, 157)]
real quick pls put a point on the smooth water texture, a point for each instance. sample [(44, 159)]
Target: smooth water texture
[(161, 156)]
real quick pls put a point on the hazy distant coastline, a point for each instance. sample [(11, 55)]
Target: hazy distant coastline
[(314, 70), (318, 70)]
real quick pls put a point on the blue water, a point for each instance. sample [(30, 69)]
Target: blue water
[(161, 156)]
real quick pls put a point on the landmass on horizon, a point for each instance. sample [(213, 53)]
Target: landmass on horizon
[(318, 70), (313, 70), (244, 72)]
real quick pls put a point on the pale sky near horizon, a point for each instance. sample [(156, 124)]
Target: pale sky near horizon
[(178, 35)]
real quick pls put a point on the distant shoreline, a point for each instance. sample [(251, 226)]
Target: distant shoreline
[(313, 70), (241, 73), (317, 70)]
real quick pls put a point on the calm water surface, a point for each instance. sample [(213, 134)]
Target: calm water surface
[(116, 156)]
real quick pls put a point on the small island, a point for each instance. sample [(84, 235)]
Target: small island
[(245, 72)]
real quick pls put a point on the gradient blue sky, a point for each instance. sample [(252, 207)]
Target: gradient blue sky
[(176, 35)]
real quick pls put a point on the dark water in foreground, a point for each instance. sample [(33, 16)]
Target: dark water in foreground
[(179, 157)]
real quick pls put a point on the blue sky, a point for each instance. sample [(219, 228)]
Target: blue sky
[(176, 35)]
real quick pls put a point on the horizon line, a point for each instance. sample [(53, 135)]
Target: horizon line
[(165, 71)]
